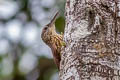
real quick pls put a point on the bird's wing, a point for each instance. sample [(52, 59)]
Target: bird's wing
[(56, 55)]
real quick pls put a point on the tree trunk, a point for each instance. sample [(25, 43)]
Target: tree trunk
[(92, 37)]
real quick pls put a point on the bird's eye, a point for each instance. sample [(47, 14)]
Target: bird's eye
[(45, 28)]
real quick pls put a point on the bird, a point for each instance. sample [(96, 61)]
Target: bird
[(53, 40)]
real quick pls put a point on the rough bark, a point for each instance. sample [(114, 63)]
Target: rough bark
[(92, 37)]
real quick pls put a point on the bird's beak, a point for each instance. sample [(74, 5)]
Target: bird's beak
[(54, 19)]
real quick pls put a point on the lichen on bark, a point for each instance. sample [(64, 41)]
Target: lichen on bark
[(92, 37)]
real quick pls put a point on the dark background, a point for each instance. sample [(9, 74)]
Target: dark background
[(23, 55)]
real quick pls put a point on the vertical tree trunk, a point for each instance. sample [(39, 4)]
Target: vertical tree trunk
[(92, 36)]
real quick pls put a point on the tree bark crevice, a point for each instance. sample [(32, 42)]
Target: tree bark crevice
[(92, 36)]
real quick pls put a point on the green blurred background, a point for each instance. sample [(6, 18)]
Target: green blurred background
[(23, 55)]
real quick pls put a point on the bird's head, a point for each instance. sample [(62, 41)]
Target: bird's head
[(49, 29)]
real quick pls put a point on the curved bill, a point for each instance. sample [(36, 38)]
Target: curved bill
[(54, 18)]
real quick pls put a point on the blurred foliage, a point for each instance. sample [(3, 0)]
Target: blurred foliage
[(60, 23), (23, 55)]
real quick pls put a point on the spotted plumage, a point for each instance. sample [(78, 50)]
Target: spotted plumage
[(53, 40)]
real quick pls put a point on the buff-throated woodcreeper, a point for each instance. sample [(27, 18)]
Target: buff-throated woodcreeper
[(53, 40)]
